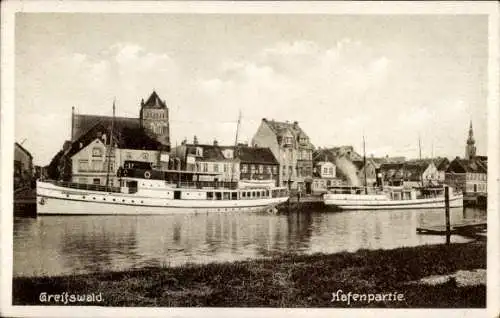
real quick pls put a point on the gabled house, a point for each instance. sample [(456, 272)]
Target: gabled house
[(23, 166), (347, 162), (292, 148), (469, 175), (426, 168), (324, 176), (94, 158), (441, 166), (412, 173)]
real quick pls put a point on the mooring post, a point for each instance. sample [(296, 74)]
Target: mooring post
[(447, 213)]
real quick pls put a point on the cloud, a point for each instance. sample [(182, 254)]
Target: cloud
[(297, 80)]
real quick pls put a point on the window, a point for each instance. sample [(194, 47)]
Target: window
[(331, 170), (261, 169), (145, 156), (268, 169), (225, 167), (244, 168), (96, 181), (290, 170), (111, 166), (97, 165), (96, 152), (325, 170), (205, 167), (210, 195), (216, 167), (275, 169), (234, 196), (82, 180), (253, 169), (128, 155), (83, 165)]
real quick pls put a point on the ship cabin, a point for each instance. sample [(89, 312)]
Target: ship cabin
[(393, 192), (143, 179)]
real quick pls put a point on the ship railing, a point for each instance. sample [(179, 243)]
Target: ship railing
[(208, 184), (355, 190), (84, 186)]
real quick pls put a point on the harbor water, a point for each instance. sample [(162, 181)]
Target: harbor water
[(60, 245)]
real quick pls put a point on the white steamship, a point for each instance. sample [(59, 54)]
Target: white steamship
[(150, 191)]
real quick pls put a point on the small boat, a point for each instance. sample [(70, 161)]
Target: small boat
[(149, 191), (363, 198)]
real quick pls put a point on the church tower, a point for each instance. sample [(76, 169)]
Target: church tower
[(470, 149), (154, 119)]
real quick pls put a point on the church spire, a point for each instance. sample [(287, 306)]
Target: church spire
[(470, 140), (470, 148)]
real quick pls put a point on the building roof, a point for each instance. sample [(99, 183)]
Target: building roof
[(281, 128), (482, 158), (323, 154), (124, 136), (209, 153), (459, 165), (360, 163), (154, 101), (23, 149), (256, 155), (83, 123), (331, 154)]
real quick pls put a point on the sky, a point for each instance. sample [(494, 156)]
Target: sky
[(391, 78)]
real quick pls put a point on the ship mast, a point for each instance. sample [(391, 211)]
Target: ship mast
[(236, 144), (364, 163), (110, 146), (420, 161)]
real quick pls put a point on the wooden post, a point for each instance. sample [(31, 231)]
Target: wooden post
[(447, 212)]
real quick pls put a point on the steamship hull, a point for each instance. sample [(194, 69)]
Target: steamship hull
[(382, 202), (53, 199)]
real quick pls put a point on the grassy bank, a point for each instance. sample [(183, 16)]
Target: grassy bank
[(285, 281)]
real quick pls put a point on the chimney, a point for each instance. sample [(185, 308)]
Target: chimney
[(195, 140), (295, 124), (216, 143), (142, 101), (264, 119)]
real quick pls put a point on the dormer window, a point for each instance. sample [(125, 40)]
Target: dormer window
[(288, 140), (199, 152), (96, 152)]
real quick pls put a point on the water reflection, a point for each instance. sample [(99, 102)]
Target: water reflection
[(51, 245)]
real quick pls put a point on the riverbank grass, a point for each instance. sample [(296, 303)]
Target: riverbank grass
[(284, 281)]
